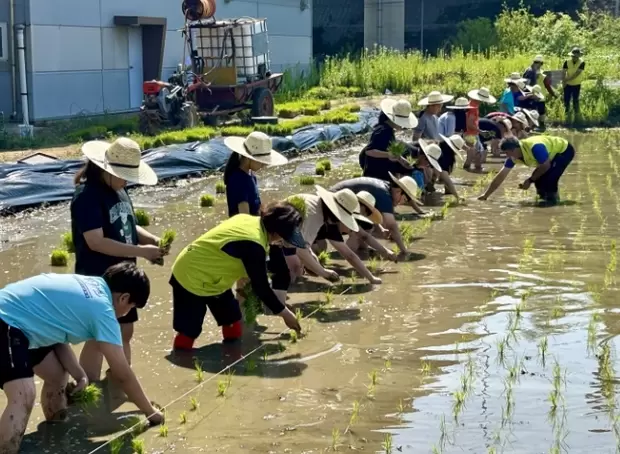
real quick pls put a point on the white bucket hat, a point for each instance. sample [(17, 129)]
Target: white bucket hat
[(536, 91), (483, 95), (257, 147), (399, 112), (521, 118), (121, 158), (460, 104), (368, 200), (514, 78), (507, 124), (539, 59), (456, 144), (532, 115), (432, 152), (435, 97), (406, 184), (343, 204)]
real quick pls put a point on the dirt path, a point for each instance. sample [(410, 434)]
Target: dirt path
[(67, 152)]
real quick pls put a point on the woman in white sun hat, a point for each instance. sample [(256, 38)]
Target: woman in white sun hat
[(452, 149), (428, 124), (428, 170), (374, 159), (533, 117), (103, 224), (327, 216), (454, 120), (520, 125), (476, 151)]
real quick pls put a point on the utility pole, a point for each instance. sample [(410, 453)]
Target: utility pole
[(617, 9), (422, 24)]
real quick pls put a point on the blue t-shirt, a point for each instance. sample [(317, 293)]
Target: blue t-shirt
[(61, 308), (540, 154), (242, 187), (509, 100)]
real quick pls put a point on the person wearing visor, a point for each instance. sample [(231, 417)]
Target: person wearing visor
[(205, 272), (330, 215)]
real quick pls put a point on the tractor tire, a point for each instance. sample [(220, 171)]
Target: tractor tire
[(149, 122), (262, 103), (189, 116)]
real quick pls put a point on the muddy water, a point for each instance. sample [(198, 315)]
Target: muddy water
[(498, 337)]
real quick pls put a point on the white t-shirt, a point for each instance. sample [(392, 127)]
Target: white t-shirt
[(314, 219)]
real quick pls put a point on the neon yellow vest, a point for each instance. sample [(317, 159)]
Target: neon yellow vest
[(572, 69), (202, 268), (554, 145)]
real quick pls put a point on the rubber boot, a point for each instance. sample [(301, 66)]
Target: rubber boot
[(183, 342), (232, 332)]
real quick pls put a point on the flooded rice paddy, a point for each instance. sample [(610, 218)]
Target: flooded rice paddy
[(498, 336)]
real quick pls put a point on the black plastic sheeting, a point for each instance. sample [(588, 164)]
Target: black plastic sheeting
[(28, 185)]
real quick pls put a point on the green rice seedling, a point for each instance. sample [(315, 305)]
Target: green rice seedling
[(370, 391), (502, 344), (67, 242), (252, 305), (220, 187), (372, 264), (142, 218), (199, 374), (306, 180), (299, 203), (59, 257), (280, 347), (328, 297), (138, 446), (250, 365), (326, 163), (387, 443), (335, 439), (387, 365), (298, 314), (116, 445), (444, 210), (401, 407), (319, 169), (89, 397), (207, 200), (397, 148), (193, 404), (361, 299), (293, 336), (374, 377), (356, 174), (324, 147), (167, 238), (163, 431), (183, 417), (426, 368), (458, 403), (221, 388), (355, 412), (543, 347), (265, 356), (592, 331), (324, 258)]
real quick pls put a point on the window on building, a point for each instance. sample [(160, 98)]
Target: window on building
[(4, 42)]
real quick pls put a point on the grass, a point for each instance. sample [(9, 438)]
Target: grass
[(142, 218), (59, 257), (67, 242), (207, 200), (220, 187)]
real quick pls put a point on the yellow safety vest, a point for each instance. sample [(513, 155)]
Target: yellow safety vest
[(554, 145), (204, 269), (572, 69)]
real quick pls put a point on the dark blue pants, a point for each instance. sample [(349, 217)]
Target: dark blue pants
[(572, 92), (547, 185)]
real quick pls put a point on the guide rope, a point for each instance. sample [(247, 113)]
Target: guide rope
[(201, 384)]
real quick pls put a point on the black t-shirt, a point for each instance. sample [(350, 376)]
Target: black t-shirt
[(489, 130), (380, 189), (380, 139), (329, 232), (97, 206), (447, 158)]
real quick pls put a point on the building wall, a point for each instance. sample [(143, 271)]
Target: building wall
[(6, 87), (80, 62)]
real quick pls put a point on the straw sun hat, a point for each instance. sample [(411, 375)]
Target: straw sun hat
[(515, 78), (257, 147), (121, 158), (368, 200), (345, 205), (521, 118), (434, 98), (460, 104), (406, 184), (456, 144), (483, 95), (539, 59), (532, 115), (536, 91), (399, 112), (432, 152)]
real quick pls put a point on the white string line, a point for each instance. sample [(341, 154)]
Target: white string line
[(201, 384)]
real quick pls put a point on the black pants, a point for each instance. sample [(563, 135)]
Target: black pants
[(547, 184), (572, 92)]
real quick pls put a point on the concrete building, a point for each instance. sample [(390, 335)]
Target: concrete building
[(91, 56)]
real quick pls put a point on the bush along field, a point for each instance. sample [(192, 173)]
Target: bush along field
[(482, 53)]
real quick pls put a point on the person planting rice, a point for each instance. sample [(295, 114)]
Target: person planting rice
[(490, 133), (535, 101), (454, 121), (476, 152), (427, 169), (513, 94), (387, 197), (374, 159), (428, 124), (535, 76), (206, 270), (532, 116), (452, 148), (103, 224), (520, 125), (336, 212), (39, 315), (548, 155)]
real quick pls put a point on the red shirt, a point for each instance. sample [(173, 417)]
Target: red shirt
[(472, 116)]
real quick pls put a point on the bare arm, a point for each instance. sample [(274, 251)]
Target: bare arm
[(244, 208), (496, 183), (311, 262), (120, 369), (540, 170), (417, 206), (377, 154), (375, 244), (98, 243), (354, 260), (389, 222), (145, 237), (445, 178), (70, 362)]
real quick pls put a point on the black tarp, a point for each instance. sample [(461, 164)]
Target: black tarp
[(27, 185)]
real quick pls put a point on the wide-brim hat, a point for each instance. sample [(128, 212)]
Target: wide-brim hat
[(451, 142), (428, 152), (434, 98), (399, 112), (483, 95), (531, 115), (344, 214), (460, 104), (257, 147), (521, 118), (368, 200), (121, 158), (514, 78), (536, 91), (539, 59), (407, 185)]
